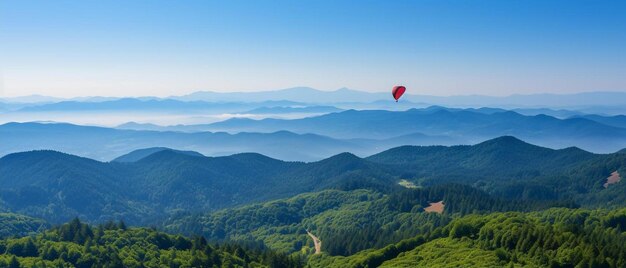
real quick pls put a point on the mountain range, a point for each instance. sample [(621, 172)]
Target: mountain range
[(589, 102), (57, 186), (160, 105), (469, 126), (106, 143), (310, 95), (360, 132)]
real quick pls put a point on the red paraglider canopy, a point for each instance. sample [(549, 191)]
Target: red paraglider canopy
[(397, 92)]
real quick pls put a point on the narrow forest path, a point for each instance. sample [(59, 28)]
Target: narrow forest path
[(316, 241)]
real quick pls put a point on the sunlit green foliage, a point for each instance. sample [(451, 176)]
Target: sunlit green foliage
[(345, 221), (112, 245), (557, 237)]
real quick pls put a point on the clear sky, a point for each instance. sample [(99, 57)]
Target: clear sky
[(131, 48)]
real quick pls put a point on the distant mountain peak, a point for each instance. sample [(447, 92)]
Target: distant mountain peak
[(349, 90), (248, 157), (36, 153), (508, 144), (433, 108), (573, 149), (343, 158), (505, 139), (140, 154)]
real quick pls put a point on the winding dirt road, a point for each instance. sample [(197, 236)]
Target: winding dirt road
[(316, 241)]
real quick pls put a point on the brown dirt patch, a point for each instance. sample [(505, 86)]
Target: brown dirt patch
[(317, 242), (435, 207), (613, 179)]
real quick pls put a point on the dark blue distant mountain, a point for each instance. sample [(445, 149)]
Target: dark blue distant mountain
[(106, 143), (137, 155), (553, 101), (560, 113), (466, 124), (616, 121), (12, 106)]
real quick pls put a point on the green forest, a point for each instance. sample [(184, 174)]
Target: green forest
[(76, 244), (556, 237), (349, 220)]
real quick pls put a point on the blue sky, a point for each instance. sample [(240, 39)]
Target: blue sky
[(132, 48)]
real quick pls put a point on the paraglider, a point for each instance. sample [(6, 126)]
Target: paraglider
[(397, 92)]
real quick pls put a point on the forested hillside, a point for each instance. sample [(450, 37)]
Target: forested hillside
[(511, 168), (114, 245), (15, 225), (346, 221), (551, 238), (57, 186)]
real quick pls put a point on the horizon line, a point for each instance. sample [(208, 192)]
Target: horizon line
[(298, 87)]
